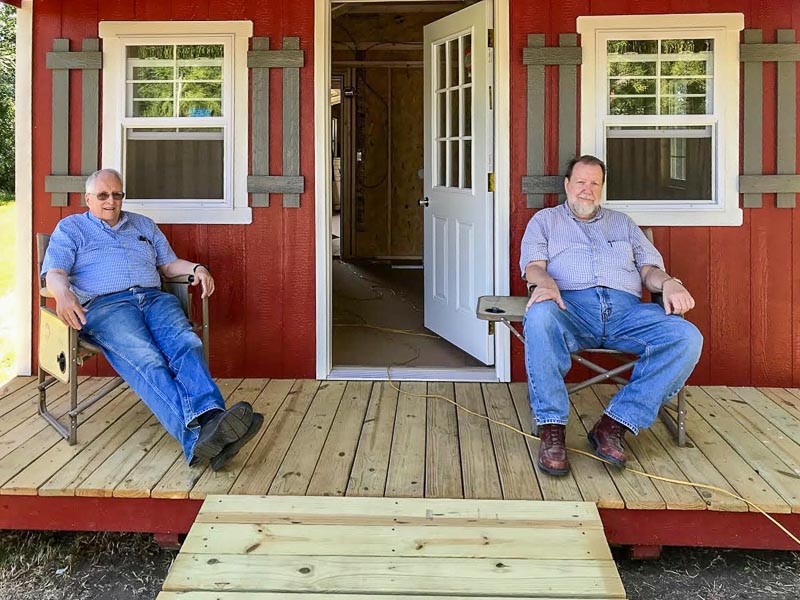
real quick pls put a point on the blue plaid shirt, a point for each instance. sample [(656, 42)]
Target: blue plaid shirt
[(101, 259), (608, 250)]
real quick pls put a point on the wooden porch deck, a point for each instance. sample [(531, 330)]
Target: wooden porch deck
[(364, 439)]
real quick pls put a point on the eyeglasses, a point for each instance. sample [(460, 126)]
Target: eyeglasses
[(103, 196)]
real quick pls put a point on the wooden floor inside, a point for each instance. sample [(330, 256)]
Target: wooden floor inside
[(360, 438)]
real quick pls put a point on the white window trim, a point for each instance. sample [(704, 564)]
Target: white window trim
[(724, 28), (115, 35)]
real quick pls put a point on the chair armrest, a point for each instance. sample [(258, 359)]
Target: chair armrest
[(184, 279), (45, 293)]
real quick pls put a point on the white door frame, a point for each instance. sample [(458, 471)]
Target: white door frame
[(322, 200)]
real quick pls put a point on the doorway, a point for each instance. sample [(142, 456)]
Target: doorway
[(370, 246)]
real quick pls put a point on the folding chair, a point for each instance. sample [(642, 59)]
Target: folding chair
[(62, 349), (511, 309)]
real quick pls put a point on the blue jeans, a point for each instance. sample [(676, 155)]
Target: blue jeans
[(668, 347), (147, 338)]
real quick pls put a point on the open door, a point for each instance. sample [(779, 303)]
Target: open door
[(459, 146)]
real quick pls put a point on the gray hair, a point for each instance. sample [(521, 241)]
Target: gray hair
[(97, 174)]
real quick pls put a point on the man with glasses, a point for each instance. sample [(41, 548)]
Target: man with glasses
[(104, 268)]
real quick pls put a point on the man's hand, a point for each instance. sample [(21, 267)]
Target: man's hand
[(204, 279), (677, 299), (542, 294), (68, 309)]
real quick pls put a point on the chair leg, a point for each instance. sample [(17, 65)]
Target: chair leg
[(676, 424)]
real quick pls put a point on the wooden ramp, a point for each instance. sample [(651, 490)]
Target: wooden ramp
[(304, 548)]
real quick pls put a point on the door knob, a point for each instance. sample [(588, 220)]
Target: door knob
[(424, 201)]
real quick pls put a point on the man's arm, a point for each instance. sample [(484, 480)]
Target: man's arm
[(677, 299), (179, 267), (546, 287), (68, 308)]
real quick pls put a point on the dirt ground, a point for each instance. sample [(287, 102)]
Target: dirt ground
[(115, 566)]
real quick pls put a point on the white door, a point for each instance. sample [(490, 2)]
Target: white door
[(459, 147)]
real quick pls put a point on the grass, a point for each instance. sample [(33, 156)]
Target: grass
[(8, 259)]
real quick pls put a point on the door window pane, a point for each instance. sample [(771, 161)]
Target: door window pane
[(454, 164), (452, 51), (467, 168), (466, 44), (441, 71)]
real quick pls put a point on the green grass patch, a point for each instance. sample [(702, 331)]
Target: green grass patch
[(8, 263)]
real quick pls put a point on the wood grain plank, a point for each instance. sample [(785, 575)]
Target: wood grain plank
[(478, 462), (393, 575), (266, 400), (736, 470), (9, 388), (637, 492), (654, 459), (553, 488), (371, 464), (321, 510), (297, 468), (259, 470), (443, 477), (42, 464), (158, 461), (397, 540), (333, 469), (195, 595), (406, 474), (517, 475)]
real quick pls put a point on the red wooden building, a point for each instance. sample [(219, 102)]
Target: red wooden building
[(695, 111)]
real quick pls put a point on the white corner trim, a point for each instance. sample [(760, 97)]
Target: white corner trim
[(23, 188), (322, 191), (236, 35)]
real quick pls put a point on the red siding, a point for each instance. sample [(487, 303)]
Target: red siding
[(263, 315)]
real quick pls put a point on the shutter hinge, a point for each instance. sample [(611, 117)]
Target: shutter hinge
[(491, 38), (491, 182)]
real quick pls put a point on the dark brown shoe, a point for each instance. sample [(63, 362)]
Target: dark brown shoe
[(552, 450), (607, 438)]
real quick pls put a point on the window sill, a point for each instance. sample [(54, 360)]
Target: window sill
[(716, 217), (242, 215)]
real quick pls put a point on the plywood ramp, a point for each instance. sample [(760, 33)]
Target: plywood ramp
[(263, 547)]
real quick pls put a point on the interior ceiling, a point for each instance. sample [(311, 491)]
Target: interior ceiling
[(445, 6)]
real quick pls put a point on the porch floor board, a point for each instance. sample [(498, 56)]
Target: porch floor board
[(360, 438)]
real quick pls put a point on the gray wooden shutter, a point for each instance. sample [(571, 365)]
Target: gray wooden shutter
[(567, 56), (60, 61), (786, 183), (260, 60)]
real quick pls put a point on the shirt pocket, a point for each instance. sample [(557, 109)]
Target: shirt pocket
[(622, 255)]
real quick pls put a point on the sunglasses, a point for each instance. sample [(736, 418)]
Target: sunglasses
[(103, 196)]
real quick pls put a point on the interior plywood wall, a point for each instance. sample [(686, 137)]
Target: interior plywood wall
[(388, 128)]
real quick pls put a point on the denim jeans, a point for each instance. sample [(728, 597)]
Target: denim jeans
[(668, 347), (147, 338)]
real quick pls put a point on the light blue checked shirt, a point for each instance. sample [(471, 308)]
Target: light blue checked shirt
[(101, 259), (608, 250)]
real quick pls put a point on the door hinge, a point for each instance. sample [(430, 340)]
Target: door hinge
[(491, 38), (491, 182), (491, 327)]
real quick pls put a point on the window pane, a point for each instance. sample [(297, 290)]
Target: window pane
[(151, 52), (632, 47), (632, 86), (632, 106), (681, 105), (467, 168), (452, 180), (454, 113), (153, 73), (686, 46), (442, 108), (200, 51), (174, 165), (153, 108), (659, 164), (441, 60), (200, 73), (152, 90), (205, 91), (442, 173), (200, 108), (452, 51), (466, 43), (683, 86), (631, 69), (684, 68), (467, 111)]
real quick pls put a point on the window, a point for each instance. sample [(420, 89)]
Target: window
[(175, 117), (660, 104), (453, 108)]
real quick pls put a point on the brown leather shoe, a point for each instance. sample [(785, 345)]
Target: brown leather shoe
[(552, 450), (607, 438)]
